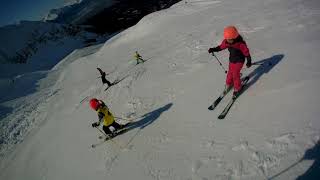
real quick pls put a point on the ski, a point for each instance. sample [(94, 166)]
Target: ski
[(108, 137), (229, 105), (222, 95), (217, 101)]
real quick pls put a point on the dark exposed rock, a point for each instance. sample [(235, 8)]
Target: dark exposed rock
[(125, 13)]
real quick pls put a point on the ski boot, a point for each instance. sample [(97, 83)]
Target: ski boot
[(236, 94), (226, 89)]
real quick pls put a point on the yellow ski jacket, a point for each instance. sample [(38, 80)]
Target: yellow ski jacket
[(105, 115)]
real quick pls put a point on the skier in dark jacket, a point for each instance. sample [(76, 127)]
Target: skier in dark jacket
[(238, 53), (103, 78)]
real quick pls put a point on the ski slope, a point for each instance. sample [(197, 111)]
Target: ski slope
[(271, 132)]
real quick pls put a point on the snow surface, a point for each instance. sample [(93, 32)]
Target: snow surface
[(269, 132)]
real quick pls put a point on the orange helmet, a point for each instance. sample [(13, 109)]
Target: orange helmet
[(230, 32), (94, 104)]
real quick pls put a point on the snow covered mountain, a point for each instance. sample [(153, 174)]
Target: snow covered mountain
[(31, 49), (24, 39), (77, 13), (271, 132)]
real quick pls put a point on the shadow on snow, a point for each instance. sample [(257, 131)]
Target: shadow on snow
[(264, 67), (149, 118), (313, 173), (146, 120)]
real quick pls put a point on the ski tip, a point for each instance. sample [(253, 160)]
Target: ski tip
[(221, 117), (210, 108)]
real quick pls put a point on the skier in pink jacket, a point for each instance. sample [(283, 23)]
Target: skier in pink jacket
[(238, 53)]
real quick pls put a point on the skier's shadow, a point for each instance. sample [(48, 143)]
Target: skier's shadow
[(264, 67), (314, 171), (149, 118), (146, 120)]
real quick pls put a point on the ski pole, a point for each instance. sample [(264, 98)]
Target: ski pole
[(101, 131), (225, 71), (110, 139)]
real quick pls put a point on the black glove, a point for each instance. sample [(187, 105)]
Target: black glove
[(248, 62), (215, 49), (95, 124)]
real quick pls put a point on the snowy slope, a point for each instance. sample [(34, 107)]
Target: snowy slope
[(270, 128)]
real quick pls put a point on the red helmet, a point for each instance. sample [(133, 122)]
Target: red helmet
[(94, 104), (230, 32)]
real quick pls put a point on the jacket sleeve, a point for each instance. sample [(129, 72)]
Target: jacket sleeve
[(244, 49), (101, 116), (221, 47), (249, 59)]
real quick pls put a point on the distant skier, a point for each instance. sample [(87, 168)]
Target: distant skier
[(103, 78), (104, 115), (138, 58), (238, 52)]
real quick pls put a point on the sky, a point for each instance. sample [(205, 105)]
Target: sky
[(13, 11)]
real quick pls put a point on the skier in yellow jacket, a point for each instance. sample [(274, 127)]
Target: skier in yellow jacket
[(104, 115), (138, 58)]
